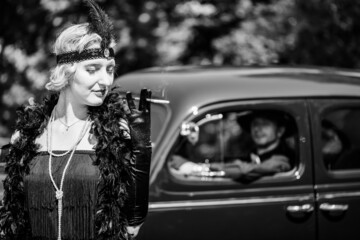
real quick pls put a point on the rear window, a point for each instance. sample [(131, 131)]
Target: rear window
[(341, 139)]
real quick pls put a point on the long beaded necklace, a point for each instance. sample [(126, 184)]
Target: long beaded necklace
[(59, 190), (70, 149)]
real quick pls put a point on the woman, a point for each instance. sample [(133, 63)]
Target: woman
[(78, 165)]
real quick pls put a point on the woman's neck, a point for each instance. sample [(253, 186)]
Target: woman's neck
[(69, 110)]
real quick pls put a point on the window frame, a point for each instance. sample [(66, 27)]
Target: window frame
[(294, 107)]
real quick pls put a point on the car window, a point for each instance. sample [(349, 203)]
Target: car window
[(241, 146), (341, 139)]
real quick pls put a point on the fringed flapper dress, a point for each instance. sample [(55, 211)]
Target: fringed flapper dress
[(79, 196)]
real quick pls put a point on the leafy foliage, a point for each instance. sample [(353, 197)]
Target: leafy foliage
[(157, 32)]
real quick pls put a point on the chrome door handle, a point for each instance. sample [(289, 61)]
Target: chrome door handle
[(333, 207), (300, 208)]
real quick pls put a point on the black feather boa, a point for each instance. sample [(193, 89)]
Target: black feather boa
[(113, 152)]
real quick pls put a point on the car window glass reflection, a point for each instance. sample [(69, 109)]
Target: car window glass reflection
[(243, 146)]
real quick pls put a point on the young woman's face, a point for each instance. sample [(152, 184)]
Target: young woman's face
[(92, 80)]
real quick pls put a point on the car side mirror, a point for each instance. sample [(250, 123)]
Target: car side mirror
[(191, 131), (188, 128)]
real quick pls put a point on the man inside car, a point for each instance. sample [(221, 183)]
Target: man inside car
[(269, 156)]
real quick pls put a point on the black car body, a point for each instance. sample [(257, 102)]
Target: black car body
[(314, 200)]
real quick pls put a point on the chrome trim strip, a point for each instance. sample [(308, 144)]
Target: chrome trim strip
[(269, 190), (274, 70), (227, 202), (321, 196), (256, 71), (348, 74), (278, 70)]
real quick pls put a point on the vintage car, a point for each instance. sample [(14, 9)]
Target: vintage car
[(196, 114)]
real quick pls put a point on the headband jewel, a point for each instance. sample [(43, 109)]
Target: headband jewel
[(100, 24)]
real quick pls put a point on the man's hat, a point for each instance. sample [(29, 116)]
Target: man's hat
[(280, 118)]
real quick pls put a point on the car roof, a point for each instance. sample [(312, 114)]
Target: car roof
[(188, 87), (191, 85)]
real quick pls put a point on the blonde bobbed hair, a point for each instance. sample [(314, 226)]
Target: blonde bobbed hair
[(74, 38)]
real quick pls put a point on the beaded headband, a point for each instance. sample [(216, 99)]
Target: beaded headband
[(92, 53), (100, 24)]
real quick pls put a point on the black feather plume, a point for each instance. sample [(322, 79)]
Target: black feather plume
[(100, 23)]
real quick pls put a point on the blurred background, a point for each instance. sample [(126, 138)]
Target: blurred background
[(174, 32)]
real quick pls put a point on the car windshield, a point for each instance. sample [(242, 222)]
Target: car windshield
[(159, 115)]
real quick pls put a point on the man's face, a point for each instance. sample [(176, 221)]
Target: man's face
[(265, 131)]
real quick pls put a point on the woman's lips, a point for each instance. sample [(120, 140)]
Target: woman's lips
[(100, 93)]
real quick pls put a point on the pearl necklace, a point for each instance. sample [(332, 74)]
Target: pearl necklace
[(59, 190), (75, 144)]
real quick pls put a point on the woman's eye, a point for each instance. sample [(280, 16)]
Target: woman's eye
[(111, 70), (91, 70)]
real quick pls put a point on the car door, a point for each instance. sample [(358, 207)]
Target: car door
[(336, 133), (207, 207)]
